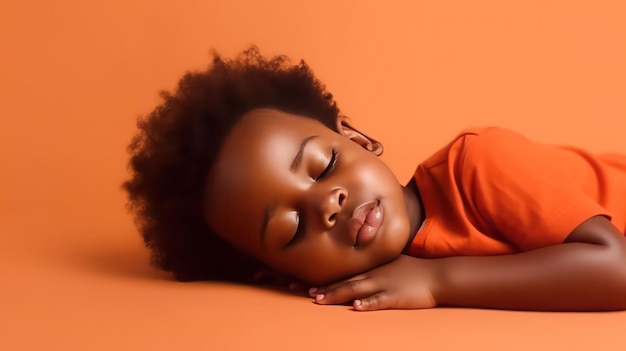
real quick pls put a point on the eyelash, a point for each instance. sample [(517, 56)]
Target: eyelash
[(299, 231), (328, 170), (331, 165)]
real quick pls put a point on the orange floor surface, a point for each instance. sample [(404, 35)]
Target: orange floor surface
[(75, 75)]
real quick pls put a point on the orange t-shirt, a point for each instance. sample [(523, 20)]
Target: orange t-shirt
[(492, 191)]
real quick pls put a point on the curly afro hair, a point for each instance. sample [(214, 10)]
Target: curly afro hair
[(177, 143)]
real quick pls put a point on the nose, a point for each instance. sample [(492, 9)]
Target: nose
[(328, 205)]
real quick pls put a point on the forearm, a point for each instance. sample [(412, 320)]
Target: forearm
[(567, 277)]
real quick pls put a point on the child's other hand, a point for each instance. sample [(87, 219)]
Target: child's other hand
[(405, 283), (268, 276)]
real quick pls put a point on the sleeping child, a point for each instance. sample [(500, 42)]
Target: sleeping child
[(249, 166)]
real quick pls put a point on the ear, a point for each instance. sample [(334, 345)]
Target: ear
[(370, 144)]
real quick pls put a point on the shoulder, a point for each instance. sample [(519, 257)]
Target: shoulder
[(487, 144), (488, 153), (485, 138), (476, 144), (480, 142)]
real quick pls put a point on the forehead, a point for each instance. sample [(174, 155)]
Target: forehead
[(260, 148), (265, 136), (268, 123)]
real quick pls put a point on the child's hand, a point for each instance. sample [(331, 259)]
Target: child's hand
[(268, 276), (405, 283)]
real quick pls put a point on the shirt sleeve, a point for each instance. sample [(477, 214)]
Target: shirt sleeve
[(518, 190)]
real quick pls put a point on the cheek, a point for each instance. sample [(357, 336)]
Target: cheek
[(235, 224), (369, 170)]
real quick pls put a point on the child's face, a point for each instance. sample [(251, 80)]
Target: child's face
[(304, 199)]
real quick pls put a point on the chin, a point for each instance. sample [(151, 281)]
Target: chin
[(396, 240)]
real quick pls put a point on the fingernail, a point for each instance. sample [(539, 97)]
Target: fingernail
[(357, 302), (319, 297), (312, 291)]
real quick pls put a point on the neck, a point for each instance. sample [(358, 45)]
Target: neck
[(415, 209)]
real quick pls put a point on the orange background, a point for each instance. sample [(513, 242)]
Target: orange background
[(75, 75)]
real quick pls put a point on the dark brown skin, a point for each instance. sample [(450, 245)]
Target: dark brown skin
[(308, 230), (586, 273)]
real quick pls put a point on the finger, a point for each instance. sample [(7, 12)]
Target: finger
[(263, 276), (299, 287), (380, 301), (267, 276), (313, 291), (347, 292), (259, 274)]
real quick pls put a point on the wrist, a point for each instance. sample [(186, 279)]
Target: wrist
[(438, 279)]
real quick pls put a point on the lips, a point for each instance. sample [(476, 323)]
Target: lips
[(365, 222)]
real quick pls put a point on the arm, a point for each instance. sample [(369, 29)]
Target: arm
[(586, 273)]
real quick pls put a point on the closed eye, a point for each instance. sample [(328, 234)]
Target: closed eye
[(330, 167), (299, 233)]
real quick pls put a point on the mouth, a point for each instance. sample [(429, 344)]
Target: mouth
[(365, 223)]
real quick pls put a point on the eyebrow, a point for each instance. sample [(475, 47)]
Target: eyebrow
[(297, 161)]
